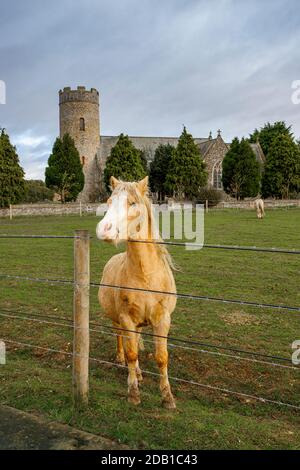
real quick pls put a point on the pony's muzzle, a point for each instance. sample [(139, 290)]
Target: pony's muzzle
[(105, 231)]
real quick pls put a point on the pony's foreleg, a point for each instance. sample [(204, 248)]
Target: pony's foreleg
[(120, 349), (131, 354), (161, 356), (140, 345)]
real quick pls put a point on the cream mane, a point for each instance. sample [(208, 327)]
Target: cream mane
[(134, 194)]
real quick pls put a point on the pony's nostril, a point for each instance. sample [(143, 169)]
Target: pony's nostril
[(107, 227)]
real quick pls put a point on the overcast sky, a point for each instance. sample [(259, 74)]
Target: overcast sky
[(157, 64)]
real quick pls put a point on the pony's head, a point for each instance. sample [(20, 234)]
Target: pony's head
[(128, 213)]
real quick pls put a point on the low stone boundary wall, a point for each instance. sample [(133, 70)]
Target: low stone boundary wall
[(75, 209), (49, 209), (269, 204)]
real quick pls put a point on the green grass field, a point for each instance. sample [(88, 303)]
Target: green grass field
[(40, 381)]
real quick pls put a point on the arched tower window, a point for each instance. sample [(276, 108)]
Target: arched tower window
[(217, 176), (83, 161), (82, 124)]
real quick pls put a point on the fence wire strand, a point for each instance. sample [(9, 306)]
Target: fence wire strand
[(160, 292), (71, 237), (177, 379), (198, 343), (199, 297), (293, 251)]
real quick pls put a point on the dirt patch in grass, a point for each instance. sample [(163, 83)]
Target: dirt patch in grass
[(238, 317)]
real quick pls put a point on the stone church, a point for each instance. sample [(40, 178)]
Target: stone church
[(80, 117)]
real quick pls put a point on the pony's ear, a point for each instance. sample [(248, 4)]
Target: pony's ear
[(113, 182), (143, 185)]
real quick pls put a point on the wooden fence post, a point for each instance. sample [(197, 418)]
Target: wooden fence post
[(10, 212), (80, 209), (81, 318), (206, 206)]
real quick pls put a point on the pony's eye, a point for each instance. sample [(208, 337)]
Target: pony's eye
[(132, 204)]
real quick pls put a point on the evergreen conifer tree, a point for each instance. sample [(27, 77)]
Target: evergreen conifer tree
[(187, 169), (282, 168), (268, 133), (124, 162), (64, 173), (11, 173), (159, 168), (240, 170)]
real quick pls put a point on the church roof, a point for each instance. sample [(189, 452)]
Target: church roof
[(205, 145), (147, 144), (150, 144)]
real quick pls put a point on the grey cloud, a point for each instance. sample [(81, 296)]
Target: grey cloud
[(157, 65)]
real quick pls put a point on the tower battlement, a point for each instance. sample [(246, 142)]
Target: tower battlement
[(79, 94), (79, 117)]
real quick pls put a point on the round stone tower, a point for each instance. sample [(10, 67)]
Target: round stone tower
[(79, 117)]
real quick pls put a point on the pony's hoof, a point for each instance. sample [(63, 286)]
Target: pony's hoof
[(134, 399), (169, 403), (134, 395), (121, 360)]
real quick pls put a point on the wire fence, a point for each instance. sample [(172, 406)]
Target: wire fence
[(178, 379), (153, 335), (178, 346), (293, 251), (180, 343)]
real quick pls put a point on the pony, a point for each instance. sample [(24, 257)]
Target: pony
[(144, 265), (260, 208)]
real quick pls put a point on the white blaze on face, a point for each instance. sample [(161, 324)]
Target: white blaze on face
[(113, 226)]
